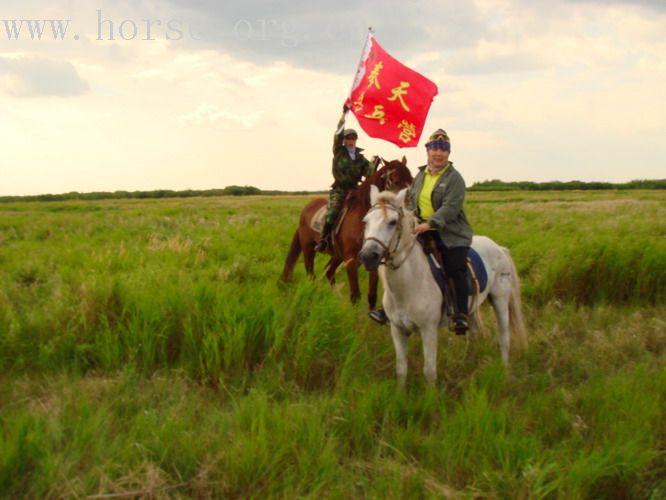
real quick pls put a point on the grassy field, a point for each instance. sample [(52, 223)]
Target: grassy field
[(147, 350)]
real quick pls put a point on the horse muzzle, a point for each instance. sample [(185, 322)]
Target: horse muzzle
[(371, 255)]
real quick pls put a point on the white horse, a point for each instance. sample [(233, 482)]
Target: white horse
[(413, 300)]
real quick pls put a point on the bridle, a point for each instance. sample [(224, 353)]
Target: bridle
[(388, 258)]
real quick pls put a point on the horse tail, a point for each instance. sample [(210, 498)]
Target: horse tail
[(292, 257), (516, 321)]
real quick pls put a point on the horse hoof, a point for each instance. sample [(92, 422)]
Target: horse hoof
[(379, 316)]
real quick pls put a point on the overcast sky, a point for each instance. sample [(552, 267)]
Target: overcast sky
[(199, 94)]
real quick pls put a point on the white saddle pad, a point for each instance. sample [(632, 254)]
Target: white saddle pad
[(318, 219)]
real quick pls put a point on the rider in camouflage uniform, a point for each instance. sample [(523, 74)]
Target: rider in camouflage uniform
[(349, 166)]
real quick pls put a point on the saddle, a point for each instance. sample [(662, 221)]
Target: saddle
[(319, 219), (477, 277)]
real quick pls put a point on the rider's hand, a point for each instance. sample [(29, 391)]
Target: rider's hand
[(422, 228), (345, 108)]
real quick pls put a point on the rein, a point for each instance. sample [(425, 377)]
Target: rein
[(388, 259)]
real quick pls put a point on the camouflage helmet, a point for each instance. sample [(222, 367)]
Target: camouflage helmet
[(349, 131)]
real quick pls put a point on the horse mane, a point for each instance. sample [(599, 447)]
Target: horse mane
[(387, 197), (390, 198)]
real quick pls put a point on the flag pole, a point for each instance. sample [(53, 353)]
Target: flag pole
[(360, 61)]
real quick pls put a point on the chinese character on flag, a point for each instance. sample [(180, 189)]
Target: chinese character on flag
[(390, 101)]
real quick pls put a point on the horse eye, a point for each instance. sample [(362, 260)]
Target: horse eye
[(393, 222)]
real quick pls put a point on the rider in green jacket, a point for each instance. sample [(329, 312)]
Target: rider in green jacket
[(349, 166), (436, 197)]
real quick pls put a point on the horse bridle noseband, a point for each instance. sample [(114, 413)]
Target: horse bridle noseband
[(387, 258)]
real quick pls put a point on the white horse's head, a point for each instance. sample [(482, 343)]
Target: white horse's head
[(382, 226)]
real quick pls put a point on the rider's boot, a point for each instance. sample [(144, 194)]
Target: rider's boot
[(459, 323), (325, 239)]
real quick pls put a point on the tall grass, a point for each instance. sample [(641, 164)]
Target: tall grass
[(147, 349), (600, 248)]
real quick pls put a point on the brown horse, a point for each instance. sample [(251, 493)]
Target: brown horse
[(348, 237)]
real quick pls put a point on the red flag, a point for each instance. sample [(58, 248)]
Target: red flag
[(390, 101)]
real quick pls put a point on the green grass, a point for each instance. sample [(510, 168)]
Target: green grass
[(147, 349)]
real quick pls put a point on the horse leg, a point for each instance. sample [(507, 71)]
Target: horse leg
[(429, 341), (352, 277), (292, 257), (373, 279), (501, 307), (331, 267), (473, 326), (309, 259), (400, 345)]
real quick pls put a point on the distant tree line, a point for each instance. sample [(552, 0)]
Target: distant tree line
[(497, 185), (159, 193), (492, 185)]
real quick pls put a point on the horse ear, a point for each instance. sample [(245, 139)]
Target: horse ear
[(374, 192), (400, 198), (404, 160)]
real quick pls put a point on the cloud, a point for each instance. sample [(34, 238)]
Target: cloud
[(481, 37), (207, 114), (536, 89), (38, 77), (485, 59), (651, 4), (329, 36)]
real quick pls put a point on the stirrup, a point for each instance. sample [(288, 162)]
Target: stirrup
[(379, 316), (459, 324), (322, 245)]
